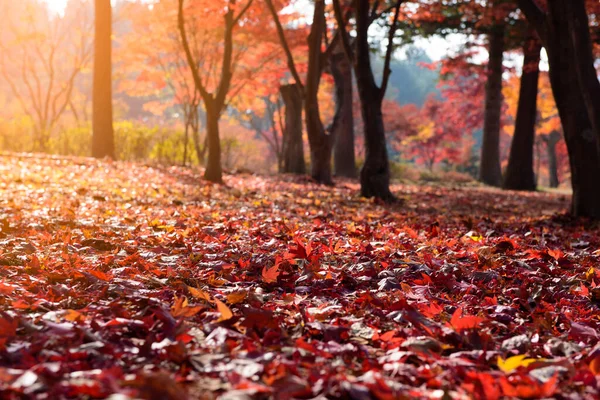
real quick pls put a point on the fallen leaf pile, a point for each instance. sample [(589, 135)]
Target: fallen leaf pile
[(142, 282)]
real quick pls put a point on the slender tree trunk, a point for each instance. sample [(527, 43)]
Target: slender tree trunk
[(185, 141), (320, 142), (375, 173), (213, 171), (538, 161), (551, 141), (490, 172), (519, 172), (102, 118), (293, 146), (342, 128)]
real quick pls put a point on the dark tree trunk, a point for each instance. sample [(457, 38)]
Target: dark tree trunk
[(551, 141), (375, 173), (555, 29), (102, 117), (342, 128), (213, 171), (293, 146), (579, 136), (489, 170), (320, 142), (519, 172), (584, 59)]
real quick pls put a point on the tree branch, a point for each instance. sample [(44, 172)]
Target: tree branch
[(390, 49), (344, 36), (286, 48), (536, 17)]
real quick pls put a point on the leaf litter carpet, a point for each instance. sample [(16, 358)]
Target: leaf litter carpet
[(126, 281)]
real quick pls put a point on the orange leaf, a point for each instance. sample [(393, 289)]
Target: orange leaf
[(460, 323), (181, 308), (595, 365), (199, 294), (270, 275), (72, 315), (236, 297), (556, 254), (224, 310), (100, 275)]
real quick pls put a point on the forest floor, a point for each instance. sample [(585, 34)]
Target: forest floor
[(149, 282)]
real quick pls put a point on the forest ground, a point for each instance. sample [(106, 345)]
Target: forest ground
[(123, 278)]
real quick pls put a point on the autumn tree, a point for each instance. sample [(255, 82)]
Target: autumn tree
[(564, 30), (158, 72), (40, 60), (213, 90), (102, 116), (320, 141), (375, 173)]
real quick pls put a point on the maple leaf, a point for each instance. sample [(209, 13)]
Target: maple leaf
[(199, 294), (512, 363), (270, 275), (226, 313), (181, 308), (460, 323)]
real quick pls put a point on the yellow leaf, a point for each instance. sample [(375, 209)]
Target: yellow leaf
[(406, 288), (512, 363), (199, 294), (590, 274), (224, 310)]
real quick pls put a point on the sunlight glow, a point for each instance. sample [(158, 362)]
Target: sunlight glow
[(57, 5)]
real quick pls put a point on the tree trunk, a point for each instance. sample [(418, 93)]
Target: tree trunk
[(579, 136), (293, 146), (489, 171), (195, 127), (102, 118), (519, 172), (320, 142), (342, 128), (213, 171), (185, 140), (551, 140), (584, 58), (375, 173)]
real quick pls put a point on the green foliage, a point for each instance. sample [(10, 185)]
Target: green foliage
[(170, 148), (72, 142), (16, 134)]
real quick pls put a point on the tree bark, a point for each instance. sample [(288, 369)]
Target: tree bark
[(519, 172), (579, 136), (375, 173), (584, 58), (554, 29), (293, 146), (342, 128), (320, 142), (551, 141), (489, 171), (102, 118), (213, 171)]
